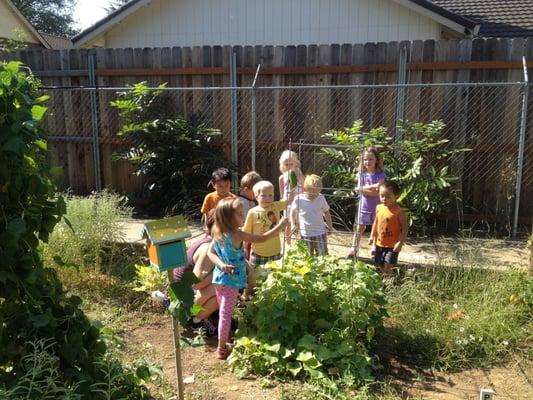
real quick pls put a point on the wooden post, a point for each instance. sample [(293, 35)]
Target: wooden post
[(177, 349), (530, 246)]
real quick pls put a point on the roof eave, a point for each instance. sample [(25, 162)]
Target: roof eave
[(29, 25), (91, 33), (441, 15)]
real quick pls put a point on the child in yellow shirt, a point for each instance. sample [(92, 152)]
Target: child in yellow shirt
[(260, 219)]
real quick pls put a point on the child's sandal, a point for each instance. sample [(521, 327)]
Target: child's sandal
[(222, 353)]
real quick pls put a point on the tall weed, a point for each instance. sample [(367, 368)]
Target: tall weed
[(453, 317), (90, 233), (42, 378)]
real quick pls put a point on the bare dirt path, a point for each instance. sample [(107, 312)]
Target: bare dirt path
[(211, 379)]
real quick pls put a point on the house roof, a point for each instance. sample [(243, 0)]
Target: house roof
[(444, 16), (497, 18), (27, 24), (57, 42)]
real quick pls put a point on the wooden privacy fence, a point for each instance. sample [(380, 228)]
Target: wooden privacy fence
[(301, 92)]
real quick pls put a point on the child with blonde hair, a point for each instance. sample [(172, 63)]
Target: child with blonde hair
[(227, 253), (260, 219), (310, 214), (370, 176), (290, 181), (288, 161), (246, 193)]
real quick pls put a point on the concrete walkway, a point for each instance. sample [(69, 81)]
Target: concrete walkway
[(466, 250)]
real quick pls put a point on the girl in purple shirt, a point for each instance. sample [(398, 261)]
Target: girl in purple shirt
[(370, 177)]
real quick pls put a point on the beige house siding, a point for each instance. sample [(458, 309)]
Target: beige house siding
[(267, 22), (10, 23)]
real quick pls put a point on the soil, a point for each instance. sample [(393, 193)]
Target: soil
[(211, 379)]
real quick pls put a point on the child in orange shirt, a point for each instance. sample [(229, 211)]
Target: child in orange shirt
[(221, 182), (389, 230)]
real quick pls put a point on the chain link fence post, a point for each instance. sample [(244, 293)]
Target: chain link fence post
[(254, 117), (234, 141), (521, 146), (94, 121)]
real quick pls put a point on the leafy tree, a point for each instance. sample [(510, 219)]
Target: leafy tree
[(115, 5), (14, 43), (33, 305), (419, 163), (177, 156), (51, 16)]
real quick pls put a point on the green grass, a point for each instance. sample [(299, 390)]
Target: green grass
[(454, 317)]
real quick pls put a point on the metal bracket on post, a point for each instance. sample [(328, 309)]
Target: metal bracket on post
[(94, 121), (234, 141), (521, 146), (254, 116)]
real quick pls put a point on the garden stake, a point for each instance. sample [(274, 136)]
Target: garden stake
[(356, 238), (165, 242), (177, 349)]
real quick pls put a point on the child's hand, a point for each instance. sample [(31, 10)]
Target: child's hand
[(227, 268), (371, 240), (283, 222), (397, 247)]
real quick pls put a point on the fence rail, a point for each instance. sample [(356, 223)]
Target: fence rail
[(486, 118), (475, 86)]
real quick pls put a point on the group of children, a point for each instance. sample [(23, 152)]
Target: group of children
[(246, 232)]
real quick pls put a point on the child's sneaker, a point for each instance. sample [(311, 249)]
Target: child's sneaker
[(223, 353), (352, 253), (210, 328)]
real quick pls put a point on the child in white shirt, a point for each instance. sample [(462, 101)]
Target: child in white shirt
[(310, 214)]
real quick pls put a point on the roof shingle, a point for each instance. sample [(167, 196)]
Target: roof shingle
[(498, 18)]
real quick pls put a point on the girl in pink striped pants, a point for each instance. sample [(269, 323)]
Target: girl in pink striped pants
[(227, 253)]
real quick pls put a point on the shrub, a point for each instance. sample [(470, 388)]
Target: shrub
[(175, 155), (419, 163), (91, 231), (33, 305), (313, 319)]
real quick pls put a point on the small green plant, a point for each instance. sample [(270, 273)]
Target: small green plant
[(177, 156), (90, 233), (148, 279), (314, 319), (42, 378), (460, 317), (419, 163)]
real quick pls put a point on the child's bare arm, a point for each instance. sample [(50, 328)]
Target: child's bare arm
[(248, 237), (373, 232), (227, 268), (403, 236), (329, 222), (294, 218), (281, 187)]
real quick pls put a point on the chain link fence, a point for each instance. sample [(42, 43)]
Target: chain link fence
[(257, 124)]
